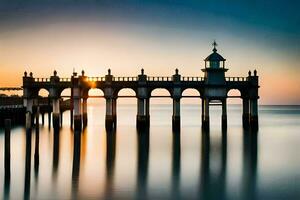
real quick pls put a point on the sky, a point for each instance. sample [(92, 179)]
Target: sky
[(159, 36)]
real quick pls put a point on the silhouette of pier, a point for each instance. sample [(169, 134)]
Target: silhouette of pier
[(213, 88)]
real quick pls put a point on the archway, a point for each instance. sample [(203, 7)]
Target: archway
[(96, 108), (191, 108), (161, 107), (234, 107), (126, 107), (43, 93)]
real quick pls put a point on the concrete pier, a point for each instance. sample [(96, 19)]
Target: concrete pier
[(213, 87)]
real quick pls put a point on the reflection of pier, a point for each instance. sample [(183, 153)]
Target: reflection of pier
[(213, 89)]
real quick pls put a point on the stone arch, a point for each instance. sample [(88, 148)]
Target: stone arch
[(95, 92), (190, 92), (125, 92), (65, 92), (163, 92), (43, 92)]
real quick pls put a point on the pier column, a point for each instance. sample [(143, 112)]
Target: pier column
[(205, 118), (55, 114), (109, 118), (84, 112), (114, 111), (245, 113), (148, 111), (224, 114), (141, 118), (29, 104), (176, 114), (253, 114), (77, 109)]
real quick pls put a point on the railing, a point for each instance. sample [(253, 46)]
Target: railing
[(134, 78), (236, 78), (65, 79), (41, 79), (190, 78), (159, 78), (94, 79)]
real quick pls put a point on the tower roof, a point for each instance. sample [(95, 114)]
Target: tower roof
[(214, 56)]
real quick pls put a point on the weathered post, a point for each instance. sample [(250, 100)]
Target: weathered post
[(224, 114), (176, 95), (72, 103), (7, 149)]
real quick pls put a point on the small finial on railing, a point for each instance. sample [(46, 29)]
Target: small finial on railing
[(176, 71), (109, 71), (142, 71), (249, 73), (31, 74), (55, 73), (255, 72), (25, 74), (82, 73)]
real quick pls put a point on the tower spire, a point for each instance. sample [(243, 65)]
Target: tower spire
[(214, 45)]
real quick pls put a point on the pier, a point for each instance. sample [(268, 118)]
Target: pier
[(213, 88)]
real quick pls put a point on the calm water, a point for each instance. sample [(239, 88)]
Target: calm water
[(161, 165)]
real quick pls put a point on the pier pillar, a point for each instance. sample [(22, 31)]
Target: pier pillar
[(176, 114), (77, 110), (253, 114), (148, 111), (43, 118), (55, 114), (109, 118), (205, 118), (224, 114), (28, 121), (141, 118), (114, 111), (245, 113), (37, 138), (29, 110), (84, 112)]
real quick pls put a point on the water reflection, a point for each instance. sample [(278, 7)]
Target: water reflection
[(176, 149), (110, 162), (213, 185), (249, 165), (142, 163), (27, 165), (76, 164), (56, 139)]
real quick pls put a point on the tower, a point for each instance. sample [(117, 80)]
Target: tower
[(215, 90)]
